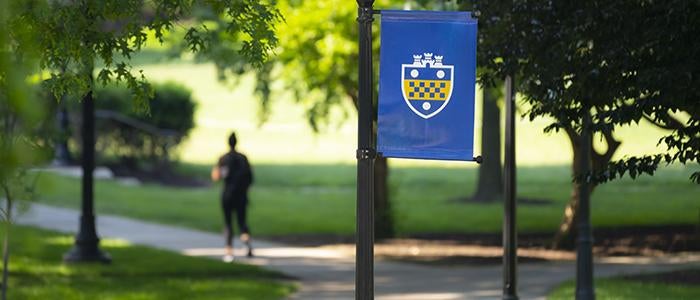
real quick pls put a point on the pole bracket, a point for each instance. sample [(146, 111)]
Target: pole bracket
[(367, 153), (365, 15)]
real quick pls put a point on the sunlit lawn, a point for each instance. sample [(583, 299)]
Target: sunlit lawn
[(36, 272), (320, 199), (619, 289), (305, 182)]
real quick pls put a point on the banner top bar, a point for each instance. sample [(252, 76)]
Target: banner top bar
[(428, 15)]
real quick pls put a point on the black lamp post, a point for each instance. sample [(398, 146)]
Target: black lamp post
[(366, 153), (510, 241), (584, 241), (86, 248), (61, 152)]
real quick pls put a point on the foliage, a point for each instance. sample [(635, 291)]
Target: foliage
[(317, 56), (135, 135), (618, 61), (75, 34), (21, 144), (145, 274), (318, 62), (20, 113), (58, 42), (19, 117), (175, 108)]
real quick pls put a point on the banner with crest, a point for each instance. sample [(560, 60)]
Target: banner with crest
[(427, 75)]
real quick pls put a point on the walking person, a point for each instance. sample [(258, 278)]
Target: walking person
[(233, 168)]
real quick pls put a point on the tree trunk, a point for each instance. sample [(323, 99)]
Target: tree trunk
[(566, 234), (565, 238), (383, 215), (384, 220), (490, 181), (6, 242)]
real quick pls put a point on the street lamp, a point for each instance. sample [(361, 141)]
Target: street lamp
[(86, 248)]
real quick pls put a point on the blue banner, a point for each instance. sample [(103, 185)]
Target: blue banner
[(427, 76)]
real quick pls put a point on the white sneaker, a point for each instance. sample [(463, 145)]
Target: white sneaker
[(228, 258)]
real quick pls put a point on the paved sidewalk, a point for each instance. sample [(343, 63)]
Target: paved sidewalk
[(328, 274)]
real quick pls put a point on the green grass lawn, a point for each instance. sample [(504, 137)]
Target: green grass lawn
[(36, 272), (320, 199), (306, 181), (619, 289)]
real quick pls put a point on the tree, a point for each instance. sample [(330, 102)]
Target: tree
[(20, 115), (68, 37), (613, 62), (317, 60), (489, 186)]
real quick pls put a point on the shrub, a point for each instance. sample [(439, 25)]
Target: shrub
[(136, 136)]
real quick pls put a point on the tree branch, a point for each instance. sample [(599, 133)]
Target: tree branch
[(355, 100), (600, 161), (350, 89), (671, 122), (8, 198), (574, 137)]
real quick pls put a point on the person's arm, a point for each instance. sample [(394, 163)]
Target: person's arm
[(216, 170), (215, 173)]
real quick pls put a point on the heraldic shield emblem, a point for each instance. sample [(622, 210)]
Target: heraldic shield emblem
[(426, 84)]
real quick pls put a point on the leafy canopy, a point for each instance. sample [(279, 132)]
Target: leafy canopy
[(72, 35), (317, 56), (617, 61)]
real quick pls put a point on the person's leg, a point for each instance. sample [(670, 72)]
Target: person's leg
[(227, 208), (241, 219)]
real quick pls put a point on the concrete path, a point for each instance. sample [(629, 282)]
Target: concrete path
[(328, 274)]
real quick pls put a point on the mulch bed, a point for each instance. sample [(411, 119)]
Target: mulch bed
[(461, 260), (637, 240), (622, 241), (485, 249)]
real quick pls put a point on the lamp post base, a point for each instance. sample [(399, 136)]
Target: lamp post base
[(86, 248), (79, 254)]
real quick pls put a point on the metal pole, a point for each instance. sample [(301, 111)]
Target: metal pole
[(366, 153), (584, 242), (61, 153), (510, 241), (86, 248)]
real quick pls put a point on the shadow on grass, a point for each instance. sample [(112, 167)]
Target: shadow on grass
[(37, 272)]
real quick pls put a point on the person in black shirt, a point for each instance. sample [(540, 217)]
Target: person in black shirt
[(233, 168)]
